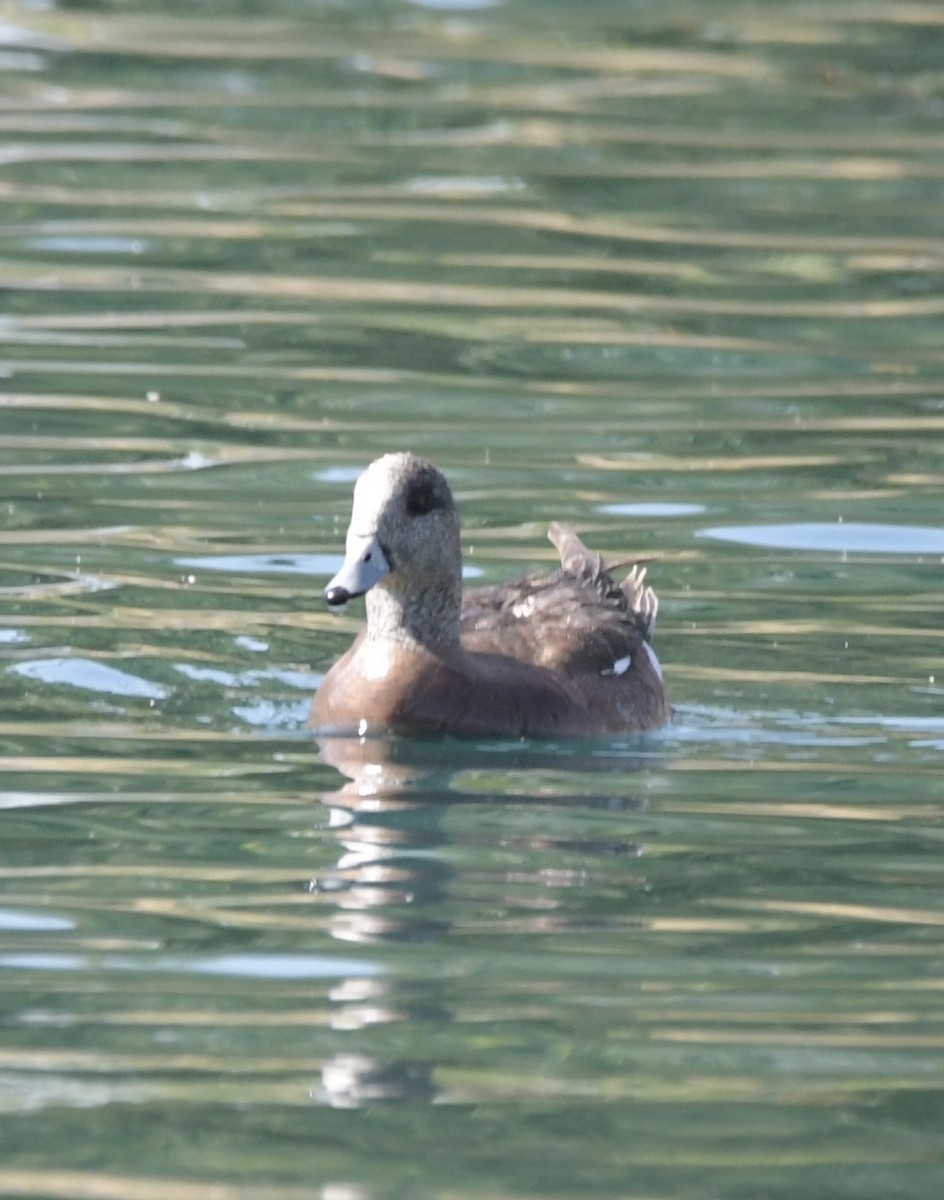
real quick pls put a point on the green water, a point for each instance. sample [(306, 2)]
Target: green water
[(670, 273)]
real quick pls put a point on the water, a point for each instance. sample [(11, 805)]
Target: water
[(672, 276)]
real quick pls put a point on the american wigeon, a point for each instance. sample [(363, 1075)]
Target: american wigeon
[(566, 655)]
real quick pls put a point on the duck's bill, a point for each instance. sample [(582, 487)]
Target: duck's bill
[(364, 565)]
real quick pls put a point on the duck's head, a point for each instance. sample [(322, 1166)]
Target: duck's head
[(404, 535)]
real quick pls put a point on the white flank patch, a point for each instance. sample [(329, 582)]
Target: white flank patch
[(620, 667)]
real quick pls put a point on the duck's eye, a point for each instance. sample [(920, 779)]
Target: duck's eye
[(423, 497)]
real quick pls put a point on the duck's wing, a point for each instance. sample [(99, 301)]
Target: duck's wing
[(574, 621)]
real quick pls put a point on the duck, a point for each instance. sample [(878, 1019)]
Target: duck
[(565, 655)]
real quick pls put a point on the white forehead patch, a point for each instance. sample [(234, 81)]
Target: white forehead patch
[(372, 492)]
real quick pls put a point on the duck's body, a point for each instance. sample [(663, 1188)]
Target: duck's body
[(567, 655)]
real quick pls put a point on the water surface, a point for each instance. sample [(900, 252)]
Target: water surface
[(671, 276)]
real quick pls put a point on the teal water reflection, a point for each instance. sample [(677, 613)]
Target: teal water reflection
[(842, 538), (670, 276)]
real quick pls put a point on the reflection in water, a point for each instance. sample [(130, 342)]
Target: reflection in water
[(842, 537), (390, 884), (355, 1080), (350, 1079), (387, 818), (385, 832), (634, 266)]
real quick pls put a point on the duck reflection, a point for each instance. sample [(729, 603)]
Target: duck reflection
[(386, 830), (397, 862), (387, 817), (353, 1080)]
